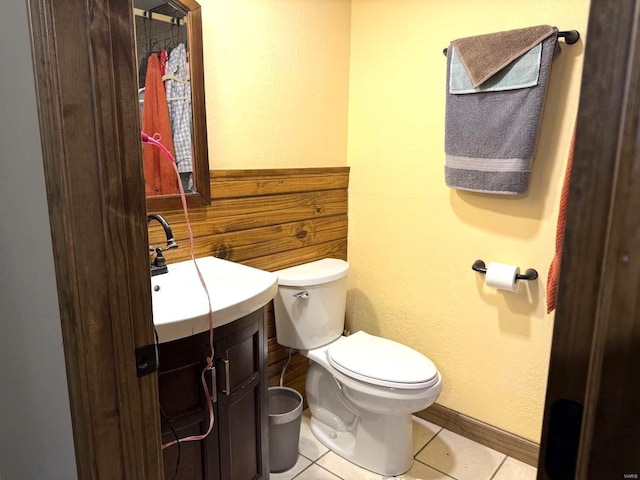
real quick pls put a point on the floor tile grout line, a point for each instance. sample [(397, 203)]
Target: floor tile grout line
[(430, 440), (499, 467), (434, 468), (422, 462), (300, 472), (444, 473), (440, 430), (311, 459), (332, 473), (323, 455), (358, 466), (312, 462)]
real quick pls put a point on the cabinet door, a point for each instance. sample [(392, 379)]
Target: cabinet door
[(242, 414), (183, 402)]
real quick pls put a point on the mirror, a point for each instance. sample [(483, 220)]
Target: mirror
[(171, 96)]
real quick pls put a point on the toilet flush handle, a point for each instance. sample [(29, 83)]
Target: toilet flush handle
[(303, 294)]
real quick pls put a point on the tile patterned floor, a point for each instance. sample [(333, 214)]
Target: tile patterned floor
[(439, 455)]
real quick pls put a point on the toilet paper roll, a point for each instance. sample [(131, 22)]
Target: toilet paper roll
[(502, 277)]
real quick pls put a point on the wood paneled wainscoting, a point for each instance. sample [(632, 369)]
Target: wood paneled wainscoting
[(269, 219)]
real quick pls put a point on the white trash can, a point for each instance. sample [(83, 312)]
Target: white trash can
[(285, 414)]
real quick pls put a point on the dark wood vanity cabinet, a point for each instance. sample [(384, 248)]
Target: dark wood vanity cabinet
[(237, 448)]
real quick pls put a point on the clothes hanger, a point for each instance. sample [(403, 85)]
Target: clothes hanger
[(169, 76), (174, 78), (154, 46)]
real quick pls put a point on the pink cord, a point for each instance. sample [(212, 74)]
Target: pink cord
[(155, 140)]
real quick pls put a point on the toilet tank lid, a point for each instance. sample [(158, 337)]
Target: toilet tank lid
[(313, 273)]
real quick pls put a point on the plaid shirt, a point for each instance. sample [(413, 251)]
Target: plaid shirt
[(179, 101)]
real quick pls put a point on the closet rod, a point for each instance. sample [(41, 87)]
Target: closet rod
[(570, 37), (157, 16)]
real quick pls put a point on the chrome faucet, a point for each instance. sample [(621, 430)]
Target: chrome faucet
[(159, 263)]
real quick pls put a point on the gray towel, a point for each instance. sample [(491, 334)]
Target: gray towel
[(491, 137)]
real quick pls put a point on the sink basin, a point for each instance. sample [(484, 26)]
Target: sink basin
[(180, 306)]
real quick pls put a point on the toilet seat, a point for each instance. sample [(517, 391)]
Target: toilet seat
[(380, 361)]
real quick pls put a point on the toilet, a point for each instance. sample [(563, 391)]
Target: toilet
[(361, 389)]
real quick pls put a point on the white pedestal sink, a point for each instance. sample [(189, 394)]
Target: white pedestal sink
[(180, 306)]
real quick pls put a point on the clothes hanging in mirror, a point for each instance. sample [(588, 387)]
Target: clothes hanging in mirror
[(164, 27), (160, 177), (178, 91)]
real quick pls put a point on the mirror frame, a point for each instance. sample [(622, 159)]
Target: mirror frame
[(202, 194)]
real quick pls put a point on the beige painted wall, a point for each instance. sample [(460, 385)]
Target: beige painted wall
[(277, 82), (284, 77), (412, 240)]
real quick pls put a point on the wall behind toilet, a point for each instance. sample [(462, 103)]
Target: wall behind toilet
[(305, 83), (412, 240), (277, 82)]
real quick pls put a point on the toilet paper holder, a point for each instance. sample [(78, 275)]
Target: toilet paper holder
[(530, 274)]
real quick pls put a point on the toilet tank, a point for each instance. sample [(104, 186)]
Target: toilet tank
[(310, 304)]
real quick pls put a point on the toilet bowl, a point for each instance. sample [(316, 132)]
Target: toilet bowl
[(361, 389)]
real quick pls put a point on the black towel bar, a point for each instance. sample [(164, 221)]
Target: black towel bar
[(530, 274), (570, 37)]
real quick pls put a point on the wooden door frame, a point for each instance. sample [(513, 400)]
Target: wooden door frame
[(598, 264), (610, 437), (85, 73)]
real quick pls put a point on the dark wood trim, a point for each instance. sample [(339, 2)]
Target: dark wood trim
[(41, 19), (257, 182), (601, 116), (198, 106), (85, 86), (512, 445), (610, 440), (265, 172)]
